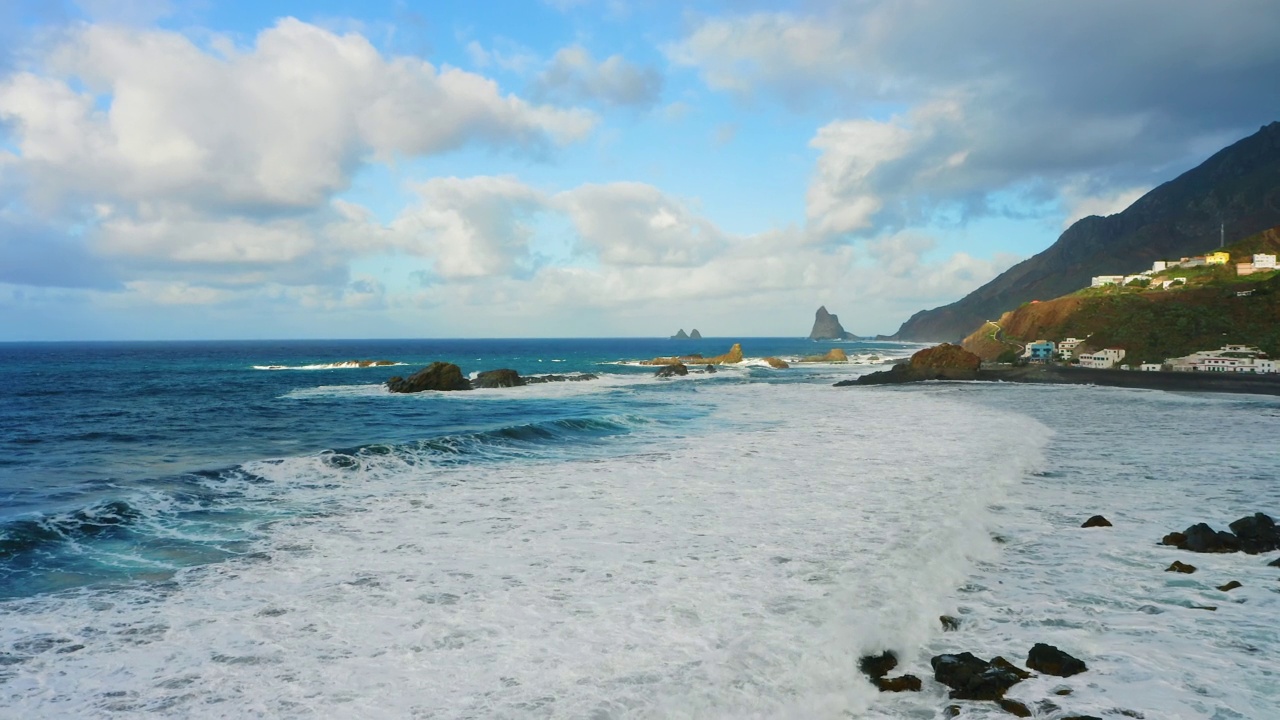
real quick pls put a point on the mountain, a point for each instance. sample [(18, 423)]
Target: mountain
[(1238, 186), (827, 327), (1214, 307)]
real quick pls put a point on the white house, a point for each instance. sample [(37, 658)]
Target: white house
[(1264, 262), (1160, 265), (1130, 278), (1102, 359), (1229, 358), (1068, 346), (1100, 280), (1151, 367), (1166, 284)]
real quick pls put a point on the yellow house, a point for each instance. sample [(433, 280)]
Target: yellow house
[(1217, 258)]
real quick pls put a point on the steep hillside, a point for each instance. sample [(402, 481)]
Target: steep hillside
[(1214, 308), (1239, 185)]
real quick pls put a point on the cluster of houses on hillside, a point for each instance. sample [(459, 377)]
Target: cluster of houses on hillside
[(1261, 262), (1228, 358)]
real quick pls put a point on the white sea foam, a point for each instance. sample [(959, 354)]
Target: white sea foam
[(344, 365), (735, 572)]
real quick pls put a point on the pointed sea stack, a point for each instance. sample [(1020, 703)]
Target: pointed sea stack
[(827, 327), (695, 335), (681, 335)]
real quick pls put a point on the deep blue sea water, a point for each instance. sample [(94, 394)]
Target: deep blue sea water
[(186, 534)]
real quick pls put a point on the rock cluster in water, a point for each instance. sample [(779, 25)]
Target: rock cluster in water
[(834, 355), (694, 335), (444, 377), (1252, 534)]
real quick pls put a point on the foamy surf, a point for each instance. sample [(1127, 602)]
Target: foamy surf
[(344, 365), (738, 571)]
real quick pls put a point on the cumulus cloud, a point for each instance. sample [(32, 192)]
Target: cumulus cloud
[(574, 76), (278, 126), (470, 227), (1037, 94), (629, 224)]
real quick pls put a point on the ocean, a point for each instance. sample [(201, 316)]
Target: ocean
[(259, 529)]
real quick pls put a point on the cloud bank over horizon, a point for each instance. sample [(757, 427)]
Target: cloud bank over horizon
[(171, 172)]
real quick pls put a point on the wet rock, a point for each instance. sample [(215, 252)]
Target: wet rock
[(1062, 690), (1000, 662), (1274, 563), (1203, 539), (778, 363), (1013, 707), (1181, 567), (949, 623), (834, 355), (972, 678), (942, 362), (1096, 521), (1210, 608), (1230, 586), (1175, 539), (952, 711), (503, 378), (1047, 707), (1052, 661), (1256, 533), (672, 370), (905, 683), (1082, 717), (877, 666), (711, 369), (440, 376)]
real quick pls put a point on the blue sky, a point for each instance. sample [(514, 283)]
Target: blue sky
[(174, 170)]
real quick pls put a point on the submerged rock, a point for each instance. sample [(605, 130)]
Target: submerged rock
[(536, 379), (503, 378), (710, 369), (1096, 521), (439, 376), (949, 623), (877, 666), (1230, 586), (1052, 661), (1181, 567), (904, 683), (1013, 707), (1274, 563)]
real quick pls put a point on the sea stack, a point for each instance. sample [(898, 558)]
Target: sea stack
[(695, 335), (827, 327), (681, 335)]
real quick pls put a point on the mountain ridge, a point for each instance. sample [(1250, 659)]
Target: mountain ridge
[(1238, 185)]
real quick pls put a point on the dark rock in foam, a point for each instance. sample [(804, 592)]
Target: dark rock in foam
[(440, 376), (1052, 661), (1096, 521)]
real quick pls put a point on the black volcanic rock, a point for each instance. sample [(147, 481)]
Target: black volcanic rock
[(827, 327), (436, 376), (972, 678), (1052, 661), (1239, 185), (503, 378), (672, 370), (1257, 533)]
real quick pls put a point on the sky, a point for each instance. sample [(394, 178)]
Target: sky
[(192, 169)]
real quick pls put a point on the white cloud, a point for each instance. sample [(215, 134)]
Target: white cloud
[(470, 227), (281, 125), (1081, 203), (573, 75), (630, 224)]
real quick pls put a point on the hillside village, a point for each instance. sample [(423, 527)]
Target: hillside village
[(1162, 285)]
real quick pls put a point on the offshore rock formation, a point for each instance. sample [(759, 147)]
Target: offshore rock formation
[(733, 356), (442, 376), (778, 363), (827, 327), (1238, 185), (436, 376), (672, 370), (694, 335), (1251, 534)]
